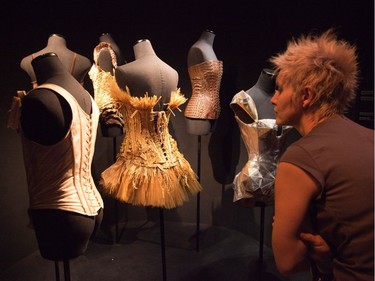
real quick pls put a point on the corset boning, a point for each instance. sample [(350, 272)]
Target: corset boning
[(205, 80), (148, 142)]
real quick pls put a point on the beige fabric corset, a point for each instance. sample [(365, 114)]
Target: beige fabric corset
[(108, 108), (59, 175), (255, 182), (149, 169), (205, 80)]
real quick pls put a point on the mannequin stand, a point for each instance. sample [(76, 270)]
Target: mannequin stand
[(198, 195), (118, 233), (162, 244), (261, 239), (66, 270), (117, 236)]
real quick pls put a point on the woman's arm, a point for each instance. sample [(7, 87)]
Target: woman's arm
[(294, 191)]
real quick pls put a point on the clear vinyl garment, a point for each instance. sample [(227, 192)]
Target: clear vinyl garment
[(263, 140), (149, 169)]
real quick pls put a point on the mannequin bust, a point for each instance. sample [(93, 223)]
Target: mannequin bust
[(104, 59), (201, 51), (42, 108), (147, 74), (105, 62), (77, 65), (46, 119), (263, 139)]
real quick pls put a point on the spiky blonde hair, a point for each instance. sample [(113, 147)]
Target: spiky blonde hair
[(328, 65)]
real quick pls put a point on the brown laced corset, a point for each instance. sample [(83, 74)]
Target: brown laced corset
[(205, 80)]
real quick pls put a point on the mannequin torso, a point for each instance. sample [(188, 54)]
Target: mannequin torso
[(46, 118), (52, 111), (201, 51), (263, 140), (76, 64), (147, 74)]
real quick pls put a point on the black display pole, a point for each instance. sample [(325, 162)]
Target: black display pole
[(66, 270), (118, 233), (116, 201), (57, 271), (262, 206), (162, 244), (162, 238), (198, 195)]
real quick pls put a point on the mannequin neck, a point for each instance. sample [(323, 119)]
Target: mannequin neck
[(56, 40), (106, 37), (49, 69), (143, 48), (208, 37), (266, 81), (47, 66)]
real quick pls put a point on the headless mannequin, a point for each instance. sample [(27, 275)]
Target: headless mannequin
[(147, 74), (45, 119), (199, 52), (262, 92), (105, 63), (77, 65)]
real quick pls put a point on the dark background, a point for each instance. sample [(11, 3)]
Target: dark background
[(247, 34)]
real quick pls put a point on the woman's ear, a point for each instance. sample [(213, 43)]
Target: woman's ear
[(307, 96)]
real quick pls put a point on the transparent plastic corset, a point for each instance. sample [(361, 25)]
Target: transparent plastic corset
[(263, 140)]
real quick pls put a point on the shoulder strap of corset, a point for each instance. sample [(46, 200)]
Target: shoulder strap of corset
[(74, 63), (100, 47)]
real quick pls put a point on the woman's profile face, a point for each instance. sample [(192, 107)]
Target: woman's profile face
[(287, 104)]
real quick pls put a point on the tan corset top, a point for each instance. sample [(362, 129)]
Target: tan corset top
[(108, 108), (205, 81)]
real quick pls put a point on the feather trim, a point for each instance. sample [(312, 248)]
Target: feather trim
[(145, 186), (147, 101)]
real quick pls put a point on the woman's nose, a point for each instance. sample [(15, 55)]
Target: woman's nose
[(274, 98)]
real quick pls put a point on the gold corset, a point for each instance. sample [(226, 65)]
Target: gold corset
[(205, 80), (109, 112), (149, 169)]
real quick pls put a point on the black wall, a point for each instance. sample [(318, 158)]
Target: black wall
[(247, 34)]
